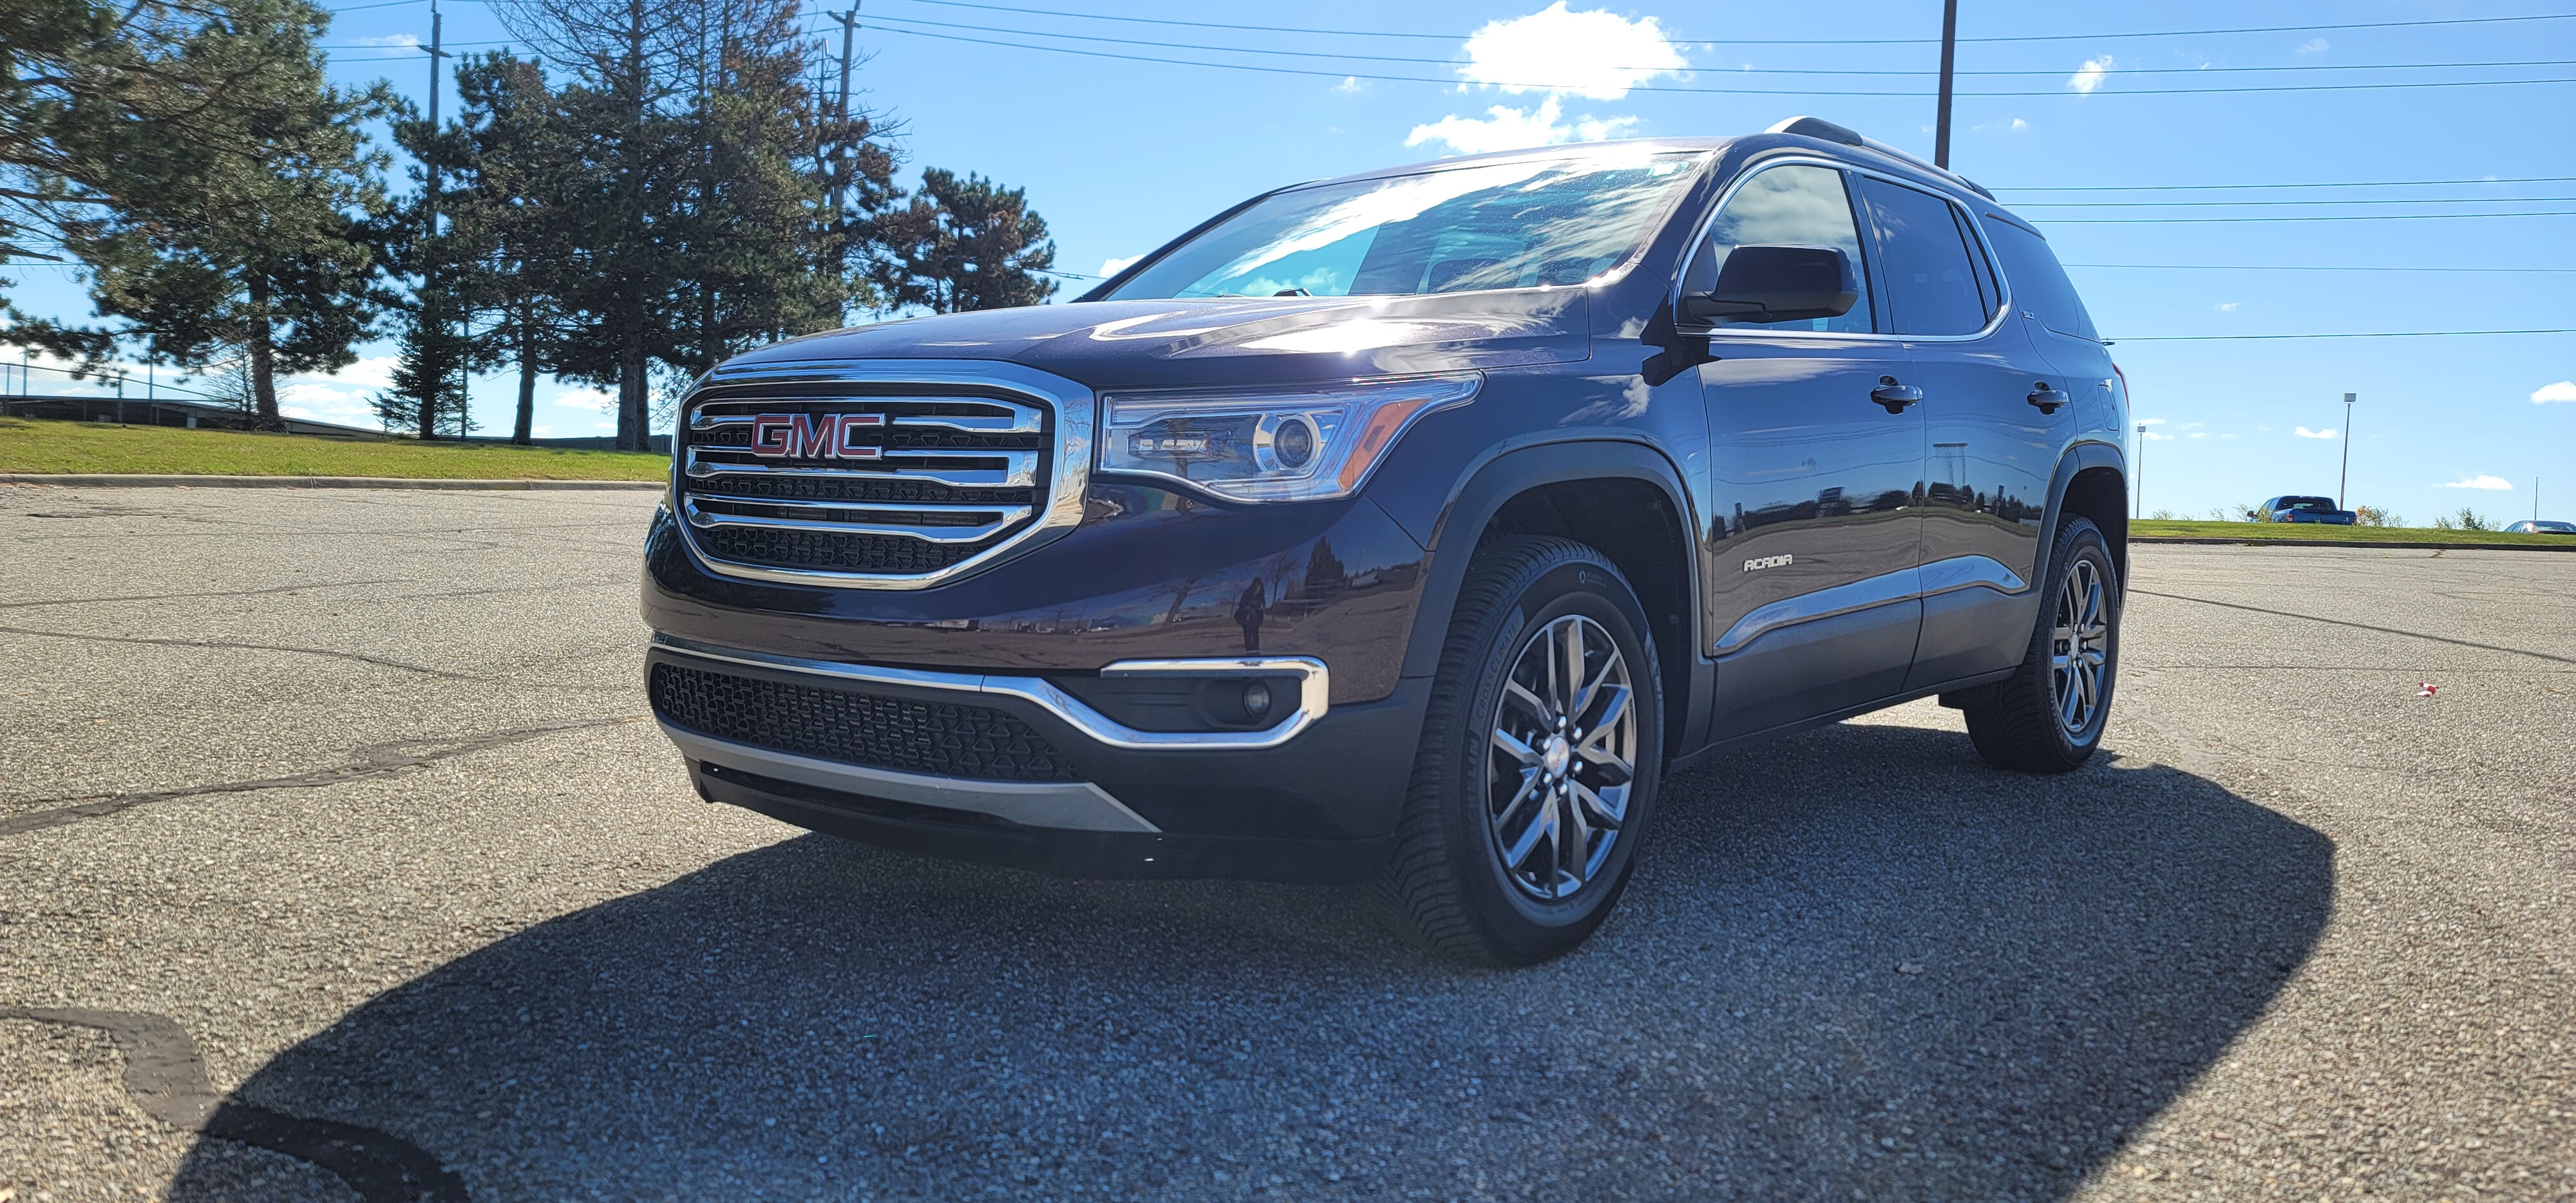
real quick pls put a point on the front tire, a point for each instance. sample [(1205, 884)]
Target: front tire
[(1541, 753), (2049, 715)]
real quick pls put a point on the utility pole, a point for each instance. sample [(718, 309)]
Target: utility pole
[(2139, 492), (434, 313), (1949, 57), (2346, 476), (840, 146)]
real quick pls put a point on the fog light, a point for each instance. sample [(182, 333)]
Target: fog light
[(1256, 699)]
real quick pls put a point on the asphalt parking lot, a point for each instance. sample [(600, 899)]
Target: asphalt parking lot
[(339, 858)]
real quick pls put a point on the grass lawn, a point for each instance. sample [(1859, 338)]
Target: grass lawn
[(2256, 532), (59, 447)]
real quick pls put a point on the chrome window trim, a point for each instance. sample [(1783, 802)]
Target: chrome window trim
[(1699, 234), (1904, 584), (1063, 805), (1076, 413), (1314, 692)]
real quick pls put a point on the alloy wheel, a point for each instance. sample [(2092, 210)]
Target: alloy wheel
[(2080, 648), (1561, 759)]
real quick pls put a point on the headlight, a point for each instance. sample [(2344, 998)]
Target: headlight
[(1272, 444)]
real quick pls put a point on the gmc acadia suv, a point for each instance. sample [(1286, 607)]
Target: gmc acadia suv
[(1408, 528)]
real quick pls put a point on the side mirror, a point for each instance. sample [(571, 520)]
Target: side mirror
[(1778, 284)]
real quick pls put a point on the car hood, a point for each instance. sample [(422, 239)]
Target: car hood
[(1132, 344)]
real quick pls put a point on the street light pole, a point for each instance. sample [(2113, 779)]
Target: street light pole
[(1949, 56), (2346, 476), (2140, 492)]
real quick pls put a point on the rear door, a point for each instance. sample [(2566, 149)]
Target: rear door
[(1991, 450), (1811, 581)]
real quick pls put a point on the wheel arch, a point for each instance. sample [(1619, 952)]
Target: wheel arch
[(2092, 482), (1593, 492)]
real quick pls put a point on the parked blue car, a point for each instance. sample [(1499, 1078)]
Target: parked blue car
[(2306, 509)]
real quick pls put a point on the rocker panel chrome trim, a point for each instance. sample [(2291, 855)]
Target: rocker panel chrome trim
[(1939, 576)]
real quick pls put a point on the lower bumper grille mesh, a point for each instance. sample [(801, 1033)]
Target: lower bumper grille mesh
[(934, 738)]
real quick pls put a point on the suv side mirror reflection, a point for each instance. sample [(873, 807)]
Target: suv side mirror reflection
[(1778, 284)]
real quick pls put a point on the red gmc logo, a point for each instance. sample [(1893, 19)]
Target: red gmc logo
[(813, 436)]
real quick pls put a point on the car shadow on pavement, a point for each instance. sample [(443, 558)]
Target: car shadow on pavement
[(1855, 961)]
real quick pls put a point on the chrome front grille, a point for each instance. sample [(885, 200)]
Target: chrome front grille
[(880, 474)]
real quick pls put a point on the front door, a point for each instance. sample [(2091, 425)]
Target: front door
[(1811, 571)]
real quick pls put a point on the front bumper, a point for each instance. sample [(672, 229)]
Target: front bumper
[(1017, 771)]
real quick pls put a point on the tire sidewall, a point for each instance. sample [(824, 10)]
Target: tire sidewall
[(2083, 541), (1523, 927)]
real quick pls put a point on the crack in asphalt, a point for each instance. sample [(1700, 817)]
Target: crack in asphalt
[(374, 760), (2362, 626), (89, 601), (167, 1080), (226, 644)]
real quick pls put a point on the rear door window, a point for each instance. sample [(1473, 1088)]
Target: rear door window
[(2039, 282), (1932, 283)]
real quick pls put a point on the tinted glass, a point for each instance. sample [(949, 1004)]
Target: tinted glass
[(1931, 282), (1798, 206), (1500, 225), (2039, 283)]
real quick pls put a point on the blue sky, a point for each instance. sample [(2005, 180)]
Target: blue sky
[(1120, 154)]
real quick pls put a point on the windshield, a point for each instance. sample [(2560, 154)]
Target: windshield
[(1502, 225)]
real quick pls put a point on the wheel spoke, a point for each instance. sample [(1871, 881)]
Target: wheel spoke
[(1514, 691), (1571, 695), (1609, 804), (1527, 791), (1512, 746), (1540, 826), (1576, 846), (1611, 710)]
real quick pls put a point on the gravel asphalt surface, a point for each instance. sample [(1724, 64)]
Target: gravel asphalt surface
[(340, 859)]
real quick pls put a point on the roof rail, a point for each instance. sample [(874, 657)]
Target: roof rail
[(1826, 131)]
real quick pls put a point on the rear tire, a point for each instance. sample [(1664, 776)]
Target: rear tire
[(1535, 780), (2048, 716)]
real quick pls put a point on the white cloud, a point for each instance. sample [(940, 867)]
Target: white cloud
[(542, 432), (344, 397), (402, 41), (1507, 128), (2200, 434), (2019, 124), (2564, 390), (1594, 54), (598, 400), (1597, 54), (2089, 76), (2481, 482), (2153, 437), (2228, 306), (2314, 46), (2151, 421), (1111, 267), (1350, 83), (2305, 433)]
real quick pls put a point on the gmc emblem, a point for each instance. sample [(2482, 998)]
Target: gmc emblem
[(813, 436)]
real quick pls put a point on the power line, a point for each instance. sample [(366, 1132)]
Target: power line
[(2424, 200), (1453, 61), (2528, 179), (1452, 37), (2213, 338), (1807, 92), (2255, 267), (2124, 221)]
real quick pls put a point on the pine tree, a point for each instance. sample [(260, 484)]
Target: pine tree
[(203, 172), (963, 244)]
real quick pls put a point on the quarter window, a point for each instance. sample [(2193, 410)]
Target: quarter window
[(1795, 205), (1932, 285), (2039, 282)]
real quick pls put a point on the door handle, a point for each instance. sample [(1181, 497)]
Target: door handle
[(1895, 396), (2046, 398)]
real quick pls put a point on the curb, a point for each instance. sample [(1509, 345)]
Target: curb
[(141, 481), (2569, 545)]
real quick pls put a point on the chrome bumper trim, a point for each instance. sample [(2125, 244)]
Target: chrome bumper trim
[(1066, 805), (1314, 693)]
